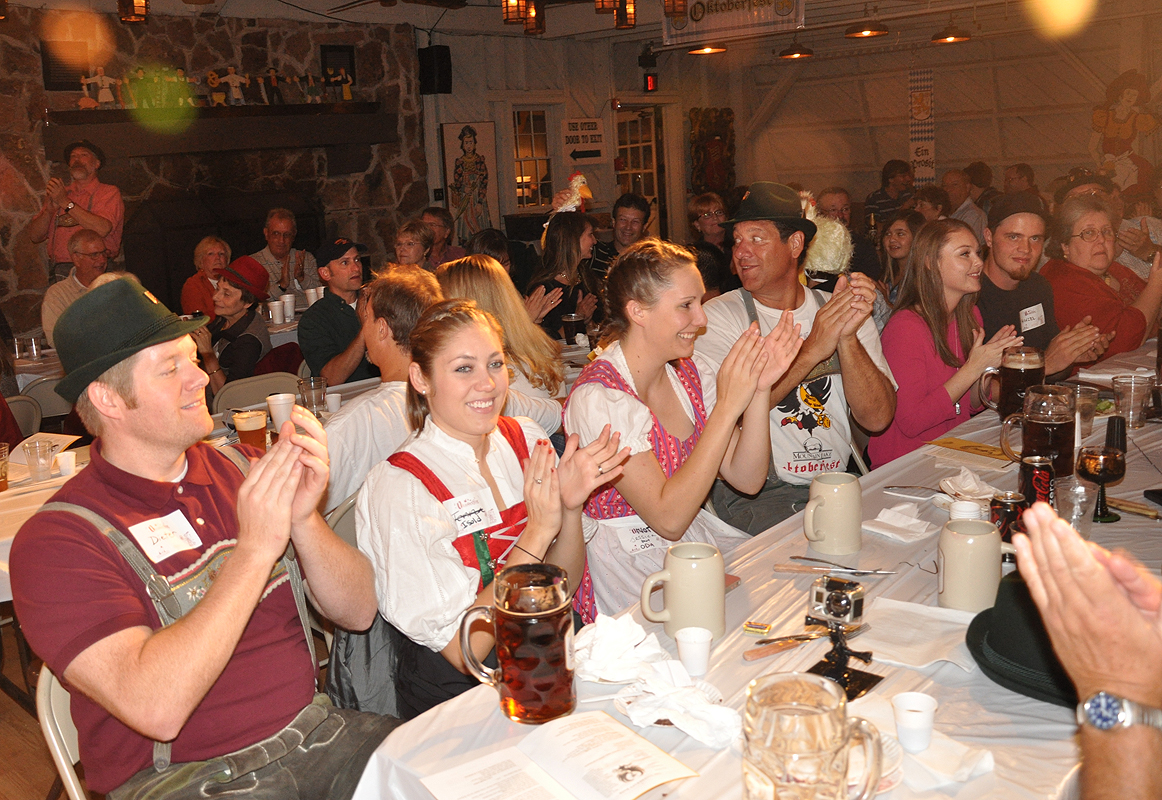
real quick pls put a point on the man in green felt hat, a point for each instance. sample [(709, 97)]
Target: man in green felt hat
[(158, 583), (840, 367)]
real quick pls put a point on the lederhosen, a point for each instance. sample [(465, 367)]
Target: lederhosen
[(172, 606), (425, 678)]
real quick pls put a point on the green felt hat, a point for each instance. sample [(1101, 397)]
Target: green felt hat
[(1010, 644), (774, 202), (107, 325)]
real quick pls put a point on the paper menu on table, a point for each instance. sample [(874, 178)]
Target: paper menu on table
[(16, 454), (586, 756)]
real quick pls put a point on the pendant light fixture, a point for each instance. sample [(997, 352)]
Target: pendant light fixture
[(512, 12), (951, 34), (535, 18), (868, 28), (796, 50), (707, 49), (626, 15), (133, 11)]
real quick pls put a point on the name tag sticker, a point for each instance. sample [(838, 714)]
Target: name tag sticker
[(639, 539), (1032, 317), (473, 511), (162, 537)]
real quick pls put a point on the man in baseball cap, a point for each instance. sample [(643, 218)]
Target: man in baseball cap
[(85, 202), (839, 368), (158, 584), (331, 330), (1012, 292)]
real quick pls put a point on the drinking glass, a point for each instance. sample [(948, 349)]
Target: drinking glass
[(1130, 395), (38, 455), (1074, 499), (313, 394), (3, 466), (1021, 367), (798, 735), (1102, 465), (1085, 400), (1047, 424)]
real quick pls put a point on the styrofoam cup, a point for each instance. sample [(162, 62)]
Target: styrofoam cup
[(66, 462), (277, 315), (280, 406), (915, 712), (334, 402), (288, 306), (694, 649)]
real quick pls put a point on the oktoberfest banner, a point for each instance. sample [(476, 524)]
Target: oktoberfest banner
[(921, 126), (722, 20)]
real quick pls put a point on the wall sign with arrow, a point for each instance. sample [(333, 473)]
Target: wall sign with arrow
[(584, 140)]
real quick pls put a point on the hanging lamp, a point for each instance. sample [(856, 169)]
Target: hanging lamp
[(868, 28)]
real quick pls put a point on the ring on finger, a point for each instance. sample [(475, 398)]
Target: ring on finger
[(537, 481), (600, 470)]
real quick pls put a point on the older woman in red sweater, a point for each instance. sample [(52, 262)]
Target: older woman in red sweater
[(1087, 281)]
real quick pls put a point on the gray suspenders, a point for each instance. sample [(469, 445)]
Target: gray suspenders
[(169, 609)]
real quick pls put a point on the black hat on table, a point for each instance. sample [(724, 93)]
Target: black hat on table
[(774, 202), (1010, 644), (107, 325)]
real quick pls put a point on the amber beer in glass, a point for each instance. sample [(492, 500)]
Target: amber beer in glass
[(251, 427), (1047, 425), (1021, 368), (533, 621)]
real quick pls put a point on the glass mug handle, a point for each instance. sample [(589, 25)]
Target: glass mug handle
[(475, 668), (994, 373), (1013, 419), (872, 756)]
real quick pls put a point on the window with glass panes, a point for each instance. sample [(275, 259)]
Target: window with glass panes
[(534, 178), (635, 149)]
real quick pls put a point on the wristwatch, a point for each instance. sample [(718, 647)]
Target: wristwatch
[(1105, 711), (70, 206)]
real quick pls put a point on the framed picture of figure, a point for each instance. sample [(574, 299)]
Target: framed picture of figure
[(470, 177)]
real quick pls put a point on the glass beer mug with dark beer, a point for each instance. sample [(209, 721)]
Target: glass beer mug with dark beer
[(1021, 367), (533, 619), (1047, 424)]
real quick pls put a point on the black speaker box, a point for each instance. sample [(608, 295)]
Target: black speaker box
[(435, 69)]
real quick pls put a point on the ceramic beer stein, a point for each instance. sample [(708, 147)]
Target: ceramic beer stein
[(969, 564), (533, 620), (694, 589), (833, 518)]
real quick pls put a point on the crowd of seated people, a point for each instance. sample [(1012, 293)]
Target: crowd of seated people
[(718, 371)]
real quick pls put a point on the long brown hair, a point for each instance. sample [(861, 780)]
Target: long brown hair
[(438, 324), (922, 290), (528, 347), (563, 250), (893, 271)]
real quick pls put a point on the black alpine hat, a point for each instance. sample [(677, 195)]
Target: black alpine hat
[(85, 143), (107, 325), (774, 202), (1010, 644)]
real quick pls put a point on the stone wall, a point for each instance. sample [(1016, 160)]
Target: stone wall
[(366, 207)]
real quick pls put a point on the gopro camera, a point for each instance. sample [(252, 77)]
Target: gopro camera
[(837, 600)]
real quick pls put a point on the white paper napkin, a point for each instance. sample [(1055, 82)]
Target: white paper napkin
[(946, 760), (1106, 374), (967, 486), (915, 635), (900, 523), (615, 650), (668, 693)]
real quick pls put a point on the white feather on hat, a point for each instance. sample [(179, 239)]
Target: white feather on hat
[(830, 250)]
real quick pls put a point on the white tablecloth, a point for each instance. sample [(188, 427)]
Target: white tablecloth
[(284, 332), (1033, 742)]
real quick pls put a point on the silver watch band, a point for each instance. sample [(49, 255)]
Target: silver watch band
[(1138, 714)]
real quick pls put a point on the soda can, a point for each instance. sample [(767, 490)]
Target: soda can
[(1036, 479), (1005, 512)]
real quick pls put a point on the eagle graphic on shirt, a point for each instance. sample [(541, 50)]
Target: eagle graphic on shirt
[(806, 408)]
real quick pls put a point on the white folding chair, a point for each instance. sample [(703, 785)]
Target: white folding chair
[(342, 519), (51, 404), (27, 413), (56, 723), (252, 391), (304, 369)]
